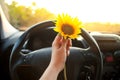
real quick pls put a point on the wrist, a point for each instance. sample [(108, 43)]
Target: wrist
[(51, 73), (55, 67)]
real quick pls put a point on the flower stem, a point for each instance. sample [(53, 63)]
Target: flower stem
[(65, 74)]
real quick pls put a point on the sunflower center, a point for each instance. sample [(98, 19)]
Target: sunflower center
[(67, 29)]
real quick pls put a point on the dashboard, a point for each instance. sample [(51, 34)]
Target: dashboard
[(110, 47)]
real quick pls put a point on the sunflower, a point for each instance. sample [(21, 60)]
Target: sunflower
[(68, 26)]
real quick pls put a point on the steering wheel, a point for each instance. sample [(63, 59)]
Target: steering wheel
[(31, 66)]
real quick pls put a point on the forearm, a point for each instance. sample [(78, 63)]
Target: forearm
[(51, 73)]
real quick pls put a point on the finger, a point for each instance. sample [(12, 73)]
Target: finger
[(64, 43), (69, 43), (68, 53), (56, 41)]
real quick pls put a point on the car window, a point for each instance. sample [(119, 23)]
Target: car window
[(96, 15)]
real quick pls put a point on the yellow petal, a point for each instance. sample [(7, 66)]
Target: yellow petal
[(68, 26)]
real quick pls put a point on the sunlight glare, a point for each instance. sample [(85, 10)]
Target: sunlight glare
[(86, 10)]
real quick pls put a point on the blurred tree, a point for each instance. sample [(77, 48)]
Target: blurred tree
[(26, 16), (33, 4), (41, 15), (12, 14)]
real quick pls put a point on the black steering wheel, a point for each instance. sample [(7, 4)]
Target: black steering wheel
[(32, 65)]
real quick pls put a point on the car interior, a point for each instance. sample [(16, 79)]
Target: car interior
[(24, 55)]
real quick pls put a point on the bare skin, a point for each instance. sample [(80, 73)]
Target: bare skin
[(60, 51)]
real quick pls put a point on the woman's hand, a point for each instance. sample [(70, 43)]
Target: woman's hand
[(60, 51)]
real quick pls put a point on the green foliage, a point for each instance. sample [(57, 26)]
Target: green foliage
[(26, 16)]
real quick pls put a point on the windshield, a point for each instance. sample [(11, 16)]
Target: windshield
[(96, 15)]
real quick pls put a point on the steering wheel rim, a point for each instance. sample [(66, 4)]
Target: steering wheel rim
[(15, 55)]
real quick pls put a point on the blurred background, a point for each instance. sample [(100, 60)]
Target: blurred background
[(96, 15)]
